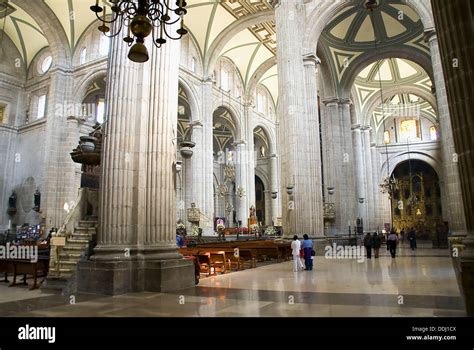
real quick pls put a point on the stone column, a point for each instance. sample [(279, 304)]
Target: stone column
[(452, 206), (297, 143), (274, 186), (267, 195), (316, 194), (136, 248), (202, 162), (368, 175), (359, 172), (454, 21), (241, 179), (56, 188), (378, 224), (345, 169), (331, 157)]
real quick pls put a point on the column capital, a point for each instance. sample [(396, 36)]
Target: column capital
[(373, 144), (356, 127), (331, 101), (311, 59), (273, 156), (345, 101), (365, 127), (237, 143), (430, 35)]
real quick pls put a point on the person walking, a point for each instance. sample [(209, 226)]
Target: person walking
[(392, 240), (376, 243), (295, 251), (412, 238), (308, 249), (368, 245)]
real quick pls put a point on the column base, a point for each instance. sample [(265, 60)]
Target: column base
[(119, 277)]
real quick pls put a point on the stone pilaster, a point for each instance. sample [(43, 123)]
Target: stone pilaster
[(368, 175), (202, 163), (241, 180), (376, 188), (316, 194), (274, 186), (452, 206), (297, 144), (345, 169), (332, 156), (361, 196), (268, 207), (454, 21), (56, 189), (136, 248)]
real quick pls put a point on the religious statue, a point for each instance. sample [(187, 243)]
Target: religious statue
[(37, 200), (253, 216), (12, 204), (220, 229), (253, 212)]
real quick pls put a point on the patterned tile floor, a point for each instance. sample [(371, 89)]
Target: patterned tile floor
[(419, 283)]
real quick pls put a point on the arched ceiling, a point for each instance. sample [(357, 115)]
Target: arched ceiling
[(73, 15), (23, 31), (355, 31), (390, 72), (248, 49)]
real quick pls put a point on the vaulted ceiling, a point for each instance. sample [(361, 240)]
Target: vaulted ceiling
[(347, 36), (355, 33)]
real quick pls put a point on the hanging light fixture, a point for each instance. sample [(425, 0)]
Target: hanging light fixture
[(141, 17)]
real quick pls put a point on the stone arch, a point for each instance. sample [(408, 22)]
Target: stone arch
[(257, 76), (326, 10), (51, 28), (235, 115), (228, 33), (401, 157), (82, 86), (399, 51), (192, 99), (270, 136), (374, 101)]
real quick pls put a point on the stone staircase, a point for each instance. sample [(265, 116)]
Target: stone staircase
[(77, 244)]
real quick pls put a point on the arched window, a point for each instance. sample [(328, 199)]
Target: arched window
[(82, 57), (193, 65), (386, 137), (45, 64), (100, 111), (104, 45), (41, 107), (410, 129), (433, 133)]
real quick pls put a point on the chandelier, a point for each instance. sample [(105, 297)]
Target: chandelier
[(142, 17)]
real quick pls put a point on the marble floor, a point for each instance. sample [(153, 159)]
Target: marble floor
[(419, 283)]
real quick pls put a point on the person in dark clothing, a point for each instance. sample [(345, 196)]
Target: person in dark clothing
[(376, 243), (412, 238), (368, 245), (308, 249), (392, 243)]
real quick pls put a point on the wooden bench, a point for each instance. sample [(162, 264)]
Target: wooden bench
[(25, 267)]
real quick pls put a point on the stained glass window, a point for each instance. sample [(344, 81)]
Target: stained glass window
[(433, 133)]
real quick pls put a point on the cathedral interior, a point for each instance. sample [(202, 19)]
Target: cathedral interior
[(234, 126)]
